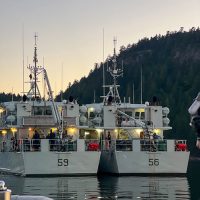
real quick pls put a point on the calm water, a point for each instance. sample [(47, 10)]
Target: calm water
[(102, 188), (109, 187)]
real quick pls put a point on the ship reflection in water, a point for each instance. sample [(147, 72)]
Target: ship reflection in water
[(107, 187)]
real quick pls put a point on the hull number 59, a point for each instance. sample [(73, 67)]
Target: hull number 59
[(153, 162), (62, 162)]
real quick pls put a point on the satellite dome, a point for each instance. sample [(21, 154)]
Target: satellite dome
[(166, 121), (165, 111), (83, 109), (10, 118), (83, 119)]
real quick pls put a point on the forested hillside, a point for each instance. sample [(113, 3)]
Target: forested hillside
[(171, 71)]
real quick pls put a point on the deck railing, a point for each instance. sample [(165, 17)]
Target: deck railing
[(124, 145), (116, 145), (25, 145), (153, 145), (62, 145), (149, 145)]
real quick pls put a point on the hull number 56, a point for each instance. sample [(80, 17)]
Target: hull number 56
[(153, 162)]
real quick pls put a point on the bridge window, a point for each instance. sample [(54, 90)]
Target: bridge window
[(42, 110), (139, 115)]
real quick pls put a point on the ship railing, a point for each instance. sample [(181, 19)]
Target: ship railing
[(62, 145), (32, 145), (153, 145), (123, 145), (25, 145), (20, 145), (116, 145), (150, 145), (134, 145), (92, 145)]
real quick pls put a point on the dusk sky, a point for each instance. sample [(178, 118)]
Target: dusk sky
[(70, 33)]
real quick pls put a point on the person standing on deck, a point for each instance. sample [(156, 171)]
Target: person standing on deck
[(109, 139), (52, 138), (36, 141)]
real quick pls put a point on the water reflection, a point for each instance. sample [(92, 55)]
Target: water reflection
[(193, 179), (148, 188), (107, 187)]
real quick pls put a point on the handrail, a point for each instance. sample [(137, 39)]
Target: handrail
[(150, 145)]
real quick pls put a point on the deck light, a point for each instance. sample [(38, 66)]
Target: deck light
[(4, 132), (14, 130), (54, 129), (71, 130), (99, 130), (91, 109), (87, 133), (139, 110), (116, 130), (157, 131), (1, 110)]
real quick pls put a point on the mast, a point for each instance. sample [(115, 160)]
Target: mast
[(115, 72), (35, 70), (115, 68), (61, 93), (23, 54), (141, 89), (35, 60), (103, 67)]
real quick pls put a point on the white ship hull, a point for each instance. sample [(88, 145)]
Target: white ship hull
[(45, 162), (144, 162), (140, 159), (50, 163), (128, 157)]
